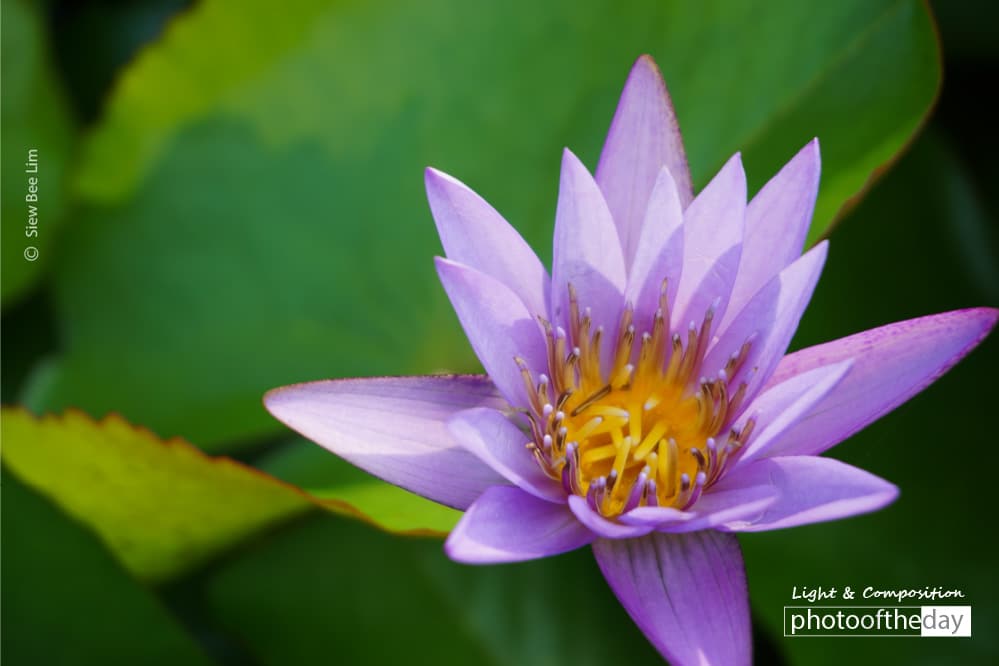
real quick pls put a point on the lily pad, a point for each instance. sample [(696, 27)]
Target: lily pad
[(66, 602), (251, 204), (163, 508), (371, 599)]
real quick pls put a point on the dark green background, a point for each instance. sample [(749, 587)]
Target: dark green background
[(172, 291)]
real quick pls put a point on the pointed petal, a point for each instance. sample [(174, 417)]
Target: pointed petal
[(508, 525), (721, 506), (643, 137), (659, 254), (777, 222), (395, 428), (657, 516), (890, 365), (474, 234), (496, 441), (600, 525), (769, 319), (712, 243), (811, 490), (781, 406), (498, 326), (686, 592), (587, 252), (714, 508)]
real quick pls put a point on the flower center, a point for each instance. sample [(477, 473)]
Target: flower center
[(635, 427)]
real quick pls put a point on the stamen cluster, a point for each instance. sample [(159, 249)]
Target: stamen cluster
[(633, 423)]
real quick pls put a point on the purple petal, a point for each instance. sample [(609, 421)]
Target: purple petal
[(686, 592), (600, 525), (712, 243), (890, 365), (659, 254), (777, 221), (644, 137), (508, 525), (781, 406), (395, 428), (496, 441), (498, 326), (657, 516), (712, 509), (769, 320), (720, 506), (811, 490), (587, 252), (474, 234)]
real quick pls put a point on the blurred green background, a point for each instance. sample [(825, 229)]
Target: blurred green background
[(231, 199)]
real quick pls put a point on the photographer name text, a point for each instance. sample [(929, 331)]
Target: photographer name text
[(31, 201)]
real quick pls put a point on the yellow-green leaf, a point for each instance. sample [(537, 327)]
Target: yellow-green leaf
[(161, 507), (166, 507)]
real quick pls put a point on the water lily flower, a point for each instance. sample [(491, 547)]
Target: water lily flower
[(639, 399)]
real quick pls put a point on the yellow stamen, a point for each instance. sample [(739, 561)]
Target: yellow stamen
[(641, 423)]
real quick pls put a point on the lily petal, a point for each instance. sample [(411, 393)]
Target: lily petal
[(508, 525), (395, 428), (657, 516), (769, 321), (712, 509), (686, 592), (890, 365), (722, 506), (811, 490), (644, 137), (659, 254), (474, 234), (781, 406), (600, 526), (498, 326), (496, 441), (712, 244), (777, 222), (587, 252)]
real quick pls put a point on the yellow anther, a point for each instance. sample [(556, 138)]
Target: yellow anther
[(633, 410)]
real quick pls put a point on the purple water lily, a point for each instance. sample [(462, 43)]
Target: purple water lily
[(639, 399)]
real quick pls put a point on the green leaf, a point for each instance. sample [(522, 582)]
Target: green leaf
[(34, 118), (66, 602), (331, 587), (163, 508), (252, 210)]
